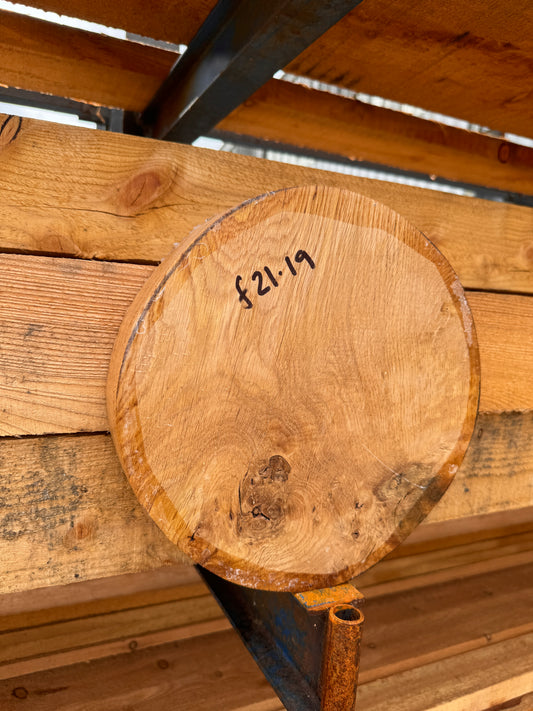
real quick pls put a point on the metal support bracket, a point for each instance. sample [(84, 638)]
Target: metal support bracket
[(307, 644), (240, 46)]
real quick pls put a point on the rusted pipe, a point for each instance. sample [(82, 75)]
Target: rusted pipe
[(341, 658)]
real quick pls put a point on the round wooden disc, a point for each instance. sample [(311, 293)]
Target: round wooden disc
[(295, 387)]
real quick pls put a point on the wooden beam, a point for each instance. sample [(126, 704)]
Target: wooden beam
[(79, 518), (471, 606), (68, 514), (53, 59), (68, 191), (479, 679), (160, 19), (60, 318), (59, 324), (469, 61), (216, 670), (295, 115)]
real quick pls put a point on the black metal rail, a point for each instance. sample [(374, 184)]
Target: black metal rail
[(239, 47)]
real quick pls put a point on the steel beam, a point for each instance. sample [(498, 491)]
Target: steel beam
[(239, 47), (307, 644)]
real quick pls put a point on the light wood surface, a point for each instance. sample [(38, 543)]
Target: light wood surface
[(287, 434), (216, 671), (295, 115), (70, 515), (60, 318), (54, 59), (467, 60), (463, 614), (81, 513), (74, 192)]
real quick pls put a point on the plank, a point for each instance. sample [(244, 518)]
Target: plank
[(45, 57), (93, 630), (506, 387), (463, 615), (68, 514), (469, 62), (160, 19), (205, 672), (216, 670), (296, 115), (65, 190), (472, 680), (39, 606), (79, 518), (491, 463), (60, 318), (398, 567), (445, 619), (255, 502), (112, 648)]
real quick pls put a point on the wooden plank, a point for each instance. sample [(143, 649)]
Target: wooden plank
[(473, 62), (492, 470), (111, 649), (160, 19), (78, 518), (60, 318), (68, 514), (39, 606), (302, 117), (41, 56), (445, 620), (65, 190), (215, 670), (448, 688), (400, 567), (473, 680), (463, 615), (84, 632), (506, 387)]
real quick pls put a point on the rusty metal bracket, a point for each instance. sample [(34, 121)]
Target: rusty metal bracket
[(307, 644)]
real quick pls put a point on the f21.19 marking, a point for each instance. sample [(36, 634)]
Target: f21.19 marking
[(300, 256)]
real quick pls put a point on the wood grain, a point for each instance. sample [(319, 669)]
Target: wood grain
[(60, 317), (55, 59), (68, 514), (208, 672), (160, 19), (473, 62), (70, 191), (295, 115), (67, 510), (463, 614), (472, 680), (445, 620), (216, 671), (294, 417), (58, 637), (509, 387), (399, 572)]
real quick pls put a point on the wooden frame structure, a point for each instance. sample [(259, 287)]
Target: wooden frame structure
[(85, 217)]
